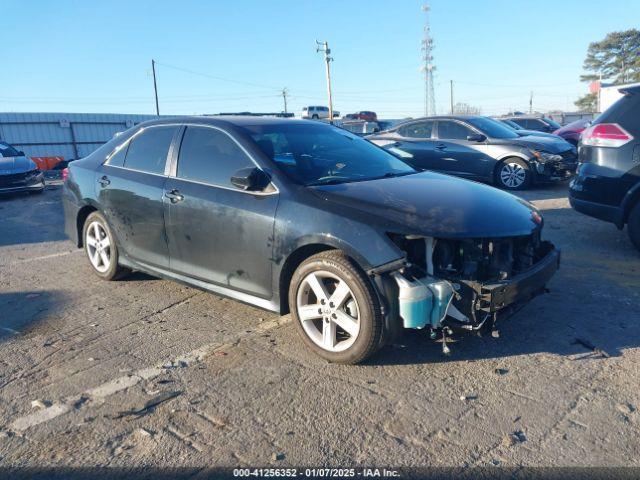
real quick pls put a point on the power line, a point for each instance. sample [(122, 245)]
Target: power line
[(215, 77)]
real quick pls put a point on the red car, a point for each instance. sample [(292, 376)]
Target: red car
[(364, 115), (572, 131)]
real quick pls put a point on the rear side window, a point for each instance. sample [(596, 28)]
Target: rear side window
[(453, 131), (520, 122), (417, 130), (148, 151), (117, 157), (210, 156)]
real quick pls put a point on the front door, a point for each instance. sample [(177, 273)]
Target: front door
[(130, 189), (416, 145), (456, 154), (217, 232)]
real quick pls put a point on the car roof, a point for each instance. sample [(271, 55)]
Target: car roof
[(225, 120), (439, 117), (631, 90)]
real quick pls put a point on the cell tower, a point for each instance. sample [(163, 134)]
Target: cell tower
[(428, 67)]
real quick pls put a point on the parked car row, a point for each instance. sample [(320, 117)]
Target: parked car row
[(479, 148), (18, 173)]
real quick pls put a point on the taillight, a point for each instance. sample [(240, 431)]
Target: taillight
[(606, 135), (65, 174)]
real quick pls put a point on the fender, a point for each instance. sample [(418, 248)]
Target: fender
[(628, 201)]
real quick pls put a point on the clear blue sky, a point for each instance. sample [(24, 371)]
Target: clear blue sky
[(94, 56)]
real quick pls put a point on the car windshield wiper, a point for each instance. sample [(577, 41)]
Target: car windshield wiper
[(333, 181)]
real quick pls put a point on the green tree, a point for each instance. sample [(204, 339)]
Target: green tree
[(588, 103), (616, 59)]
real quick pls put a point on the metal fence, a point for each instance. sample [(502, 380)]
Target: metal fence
[(68, 135)]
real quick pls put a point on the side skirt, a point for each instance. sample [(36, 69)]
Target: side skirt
[(271, 305)]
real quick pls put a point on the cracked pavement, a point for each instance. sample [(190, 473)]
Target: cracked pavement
[(82, 359)]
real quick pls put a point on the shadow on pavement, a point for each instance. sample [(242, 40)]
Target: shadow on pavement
[(21, 311), (26, 218)]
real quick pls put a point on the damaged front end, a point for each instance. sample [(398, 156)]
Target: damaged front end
[(465, 283)]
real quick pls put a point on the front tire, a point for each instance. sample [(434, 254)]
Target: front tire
[(101, 249), (335, 308), (633, 226), (513, 174)]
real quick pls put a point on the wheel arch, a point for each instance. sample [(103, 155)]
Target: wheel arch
[(81, 217), (630, 200), (500, 161), (304, 251)]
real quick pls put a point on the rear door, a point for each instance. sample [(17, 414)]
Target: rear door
[(216, 232), (458, 155), (130, 189)]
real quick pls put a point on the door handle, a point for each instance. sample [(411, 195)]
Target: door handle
[(174, 195), (440, 146), (104, 181)]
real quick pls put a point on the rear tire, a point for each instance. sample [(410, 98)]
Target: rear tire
[(345, 298), (633, 226), (101, 249), (513, 174)]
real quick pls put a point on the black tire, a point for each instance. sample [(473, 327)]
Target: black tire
[(633, 226), (512, 185), (370, 319), (115, 271)]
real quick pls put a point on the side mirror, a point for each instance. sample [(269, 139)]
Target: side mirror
[(250, 179), (476, 137)]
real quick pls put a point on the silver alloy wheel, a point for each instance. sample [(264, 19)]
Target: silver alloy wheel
[(513, 175), (98, 247), (328, 311)]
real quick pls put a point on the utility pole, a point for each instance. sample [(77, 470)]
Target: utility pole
[(155, 85), (451, 97), (531, 103), (324, 47), (284, 97)]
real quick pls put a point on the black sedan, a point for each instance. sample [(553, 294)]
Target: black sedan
[(480, 148), (18, 173), (305, 217)]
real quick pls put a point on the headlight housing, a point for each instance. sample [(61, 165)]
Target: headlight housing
[(543, 156)]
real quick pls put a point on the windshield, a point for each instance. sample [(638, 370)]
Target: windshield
[(492, 128), (553, 123), (316, 154), (511, 124), (7, 150)]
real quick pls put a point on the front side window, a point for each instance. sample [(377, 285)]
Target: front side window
[(417, 130), (492, 128), (448, 130), (148, 150), (320, 154), (210, 156)]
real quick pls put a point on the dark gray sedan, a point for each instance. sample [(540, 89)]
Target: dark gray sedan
[(479, 148), (304, 217), (18, 173)]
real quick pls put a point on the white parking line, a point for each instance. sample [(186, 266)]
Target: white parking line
[(44, 257), (122, 383)]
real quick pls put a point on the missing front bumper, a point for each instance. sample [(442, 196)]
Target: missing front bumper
[(437, 303)]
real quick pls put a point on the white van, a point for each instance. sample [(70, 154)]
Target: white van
[(318, 112)]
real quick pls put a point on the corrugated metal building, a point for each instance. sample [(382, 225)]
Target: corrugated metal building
[(68, 135)]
